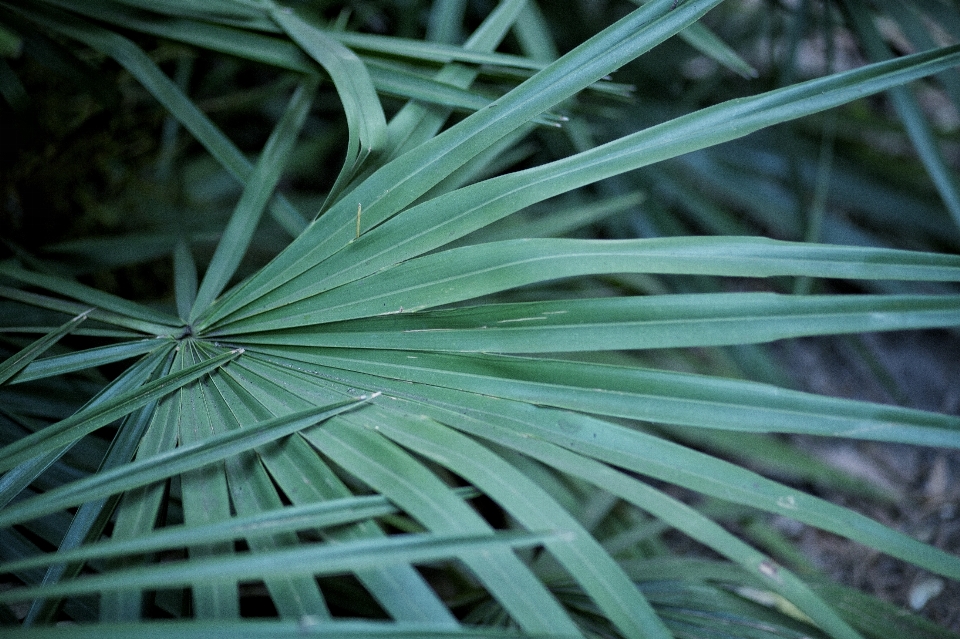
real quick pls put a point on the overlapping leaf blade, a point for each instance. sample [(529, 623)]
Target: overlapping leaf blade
[(74, 427), (20, 360), (642, 394), (403, 180), (663, 321), (170, 95), (366, 122), (483, 203), (481, 411), (327, 559), (473, 271)]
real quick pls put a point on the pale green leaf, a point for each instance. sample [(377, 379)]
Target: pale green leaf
[(292, 518), (406, 178), (184, 279), (410, 485), (87, 359), (628, 323)]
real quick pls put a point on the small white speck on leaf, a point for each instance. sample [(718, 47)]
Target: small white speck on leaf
[(769, 569), (787, 501)]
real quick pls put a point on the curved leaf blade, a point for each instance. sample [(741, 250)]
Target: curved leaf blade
[(582, 557), (706, 127), (409, 176), (366, 123), (646, 395), (510, 420), (405, 481)]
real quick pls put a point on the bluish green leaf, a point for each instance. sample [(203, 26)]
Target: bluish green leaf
[(20, 360), (86, 421), (406, 178), (318, 559), (87, 359), (472, 271), (366, 122), (259, 188), (163, 465)]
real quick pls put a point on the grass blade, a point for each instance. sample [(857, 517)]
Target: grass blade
[(705, 41), (942, 175)]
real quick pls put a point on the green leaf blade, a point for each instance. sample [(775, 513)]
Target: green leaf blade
[(257, 192), (468, 272), (21, 359), (163, 465), (73, 428)]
